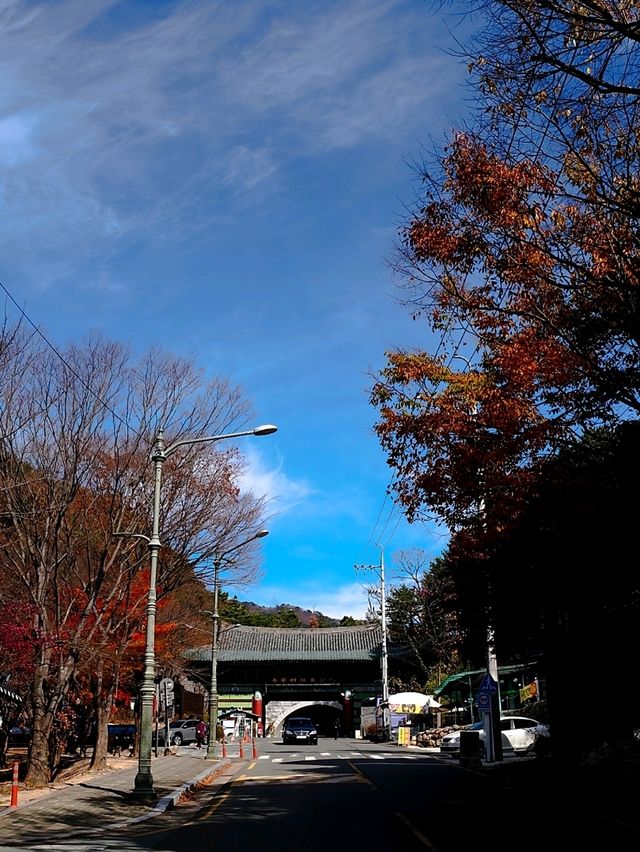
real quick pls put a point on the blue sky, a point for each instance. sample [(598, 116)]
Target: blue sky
[(226, 179)]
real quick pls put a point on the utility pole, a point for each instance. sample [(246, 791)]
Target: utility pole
[(384, 654), (491, 719)]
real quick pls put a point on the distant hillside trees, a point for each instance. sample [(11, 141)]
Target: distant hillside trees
[(236, 611)]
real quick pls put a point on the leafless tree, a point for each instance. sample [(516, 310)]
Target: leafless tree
[(76, 428)]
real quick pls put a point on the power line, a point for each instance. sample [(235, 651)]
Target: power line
[(67, 364)]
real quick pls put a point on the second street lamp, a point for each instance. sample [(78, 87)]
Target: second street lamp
[(213, 686), (143, 789)]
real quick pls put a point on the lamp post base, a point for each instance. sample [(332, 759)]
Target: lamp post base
[(143, 790)]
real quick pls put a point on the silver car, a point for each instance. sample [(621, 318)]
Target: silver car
[(181, 732)]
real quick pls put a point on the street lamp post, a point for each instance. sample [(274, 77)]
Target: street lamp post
[(213, 686), (143, 789)]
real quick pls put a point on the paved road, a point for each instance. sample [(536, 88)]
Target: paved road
[(437, 805)]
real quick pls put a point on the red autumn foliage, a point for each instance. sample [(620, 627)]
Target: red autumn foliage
[(18, 641), (545, 287)]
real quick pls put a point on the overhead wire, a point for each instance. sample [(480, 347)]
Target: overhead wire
[(59, 355)]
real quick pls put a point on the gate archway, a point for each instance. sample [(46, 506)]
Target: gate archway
[(326, 670)]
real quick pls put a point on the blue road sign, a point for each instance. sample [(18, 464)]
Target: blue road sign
[(488, 685)]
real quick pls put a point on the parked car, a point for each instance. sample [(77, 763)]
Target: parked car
[(120, 738), (19, 735), (181, 732), (299, 729), (519, 735)]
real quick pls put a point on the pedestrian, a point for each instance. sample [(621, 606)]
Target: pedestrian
[(4, 744), (336, 729), (201, 730)]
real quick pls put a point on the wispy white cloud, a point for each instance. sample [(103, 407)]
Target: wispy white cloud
[(116, 125), (246, 168), (280, 492), (16, 139), (336, 76)]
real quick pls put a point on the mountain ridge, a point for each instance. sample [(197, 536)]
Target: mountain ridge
[(306, 617)]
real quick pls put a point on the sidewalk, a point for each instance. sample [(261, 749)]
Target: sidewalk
[(91, 801)]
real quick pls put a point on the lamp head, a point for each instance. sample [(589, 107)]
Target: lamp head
[(261, 533), (267, 429)]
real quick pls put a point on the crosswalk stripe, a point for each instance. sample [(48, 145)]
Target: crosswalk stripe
[(336, 755)]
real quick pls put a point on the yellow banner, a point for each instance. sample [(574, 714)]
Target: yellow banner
[(406, 708), (529, 691)]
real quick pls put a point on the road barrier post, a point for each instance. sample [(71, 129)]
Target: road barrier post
[(14, 784)]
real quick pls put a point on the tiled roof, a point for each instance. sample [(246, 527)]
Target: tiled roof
[(275, 644), (9, 695)]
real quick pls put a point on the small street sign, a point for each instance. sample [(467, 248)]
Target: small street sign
[(166, 692), (488, 685)]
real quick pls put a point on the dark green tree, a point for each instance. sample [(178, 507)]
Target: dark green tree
[(563, 586), (423, 620)]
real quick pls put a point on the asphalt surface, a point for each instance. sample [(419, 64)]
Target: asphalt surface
[(82, 802)]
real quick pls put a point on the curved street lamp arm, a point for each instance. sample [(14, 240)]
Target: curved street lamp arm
[(132, 535), (260, 534), (267, 429)]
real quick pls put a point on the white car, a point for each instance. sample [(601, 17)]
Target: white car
[(519, 735)]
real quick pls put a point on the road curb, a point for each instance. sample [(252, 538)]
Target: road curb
[(172, 799)]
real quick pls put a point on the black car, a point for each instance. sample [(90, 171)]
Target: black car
[(299, 729), (120, 738)]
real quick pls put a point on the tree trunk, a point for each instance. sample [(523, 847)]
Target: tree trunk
[(38, 760), (99, 756), (46, 697), (102, 709)]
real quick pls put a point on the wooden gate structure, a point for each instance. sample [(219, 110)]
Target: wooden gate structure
[(322, 672)]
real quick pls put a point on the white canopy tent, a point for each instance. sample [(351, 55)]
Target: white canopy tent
[(412, 702)]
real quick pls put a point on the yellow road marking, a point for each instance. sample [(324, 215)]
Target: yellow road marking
[(424, 840), (403, 819)]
